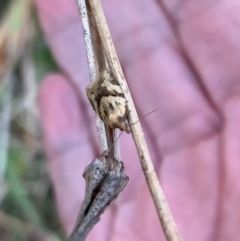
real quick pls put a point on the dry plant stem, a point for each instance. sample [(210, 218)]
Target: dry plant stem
[(92, 66), (30, 89), (104, 176), (166, 219)]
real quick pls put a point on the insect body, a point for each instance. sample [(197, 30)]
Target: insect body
[(108, 101)]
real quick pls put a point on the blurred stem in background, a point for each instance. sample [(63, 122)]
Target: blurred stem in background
[(5, 112), (25, 189), (11, 46)]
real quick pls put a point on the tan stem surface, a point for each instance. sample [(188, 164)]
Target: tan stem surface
[(163, 211)]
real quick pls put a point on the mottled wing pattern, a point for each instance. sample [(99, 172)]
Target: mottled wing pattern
[(107, 99)]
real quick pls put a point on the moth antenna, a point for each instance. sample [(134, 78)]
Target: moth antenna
[(144, 117), (110, 147)]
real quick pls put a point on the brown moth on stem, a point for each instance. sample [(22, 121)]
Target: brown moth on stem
[(110, 61), (160, 202), (108, 101), (104, 176)]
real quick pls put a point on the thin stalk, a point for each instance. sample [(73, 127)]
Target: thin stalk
[(5, 119), (92, 66), (162, 208)]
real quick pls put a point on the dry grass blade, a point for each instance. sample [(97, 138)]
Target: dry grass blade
[(105, 177), (159, 199), (92, 66), (96, 63)]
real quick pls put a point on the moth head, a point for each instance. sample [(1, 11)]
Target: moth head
[(119, 122)]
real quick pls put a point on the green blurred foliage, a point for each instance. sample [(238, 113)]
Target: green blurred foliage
[(4, 4), (29, 196), (43, 60)]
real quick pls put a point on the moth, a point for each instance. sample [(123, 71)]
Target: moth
[(108, 101)]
